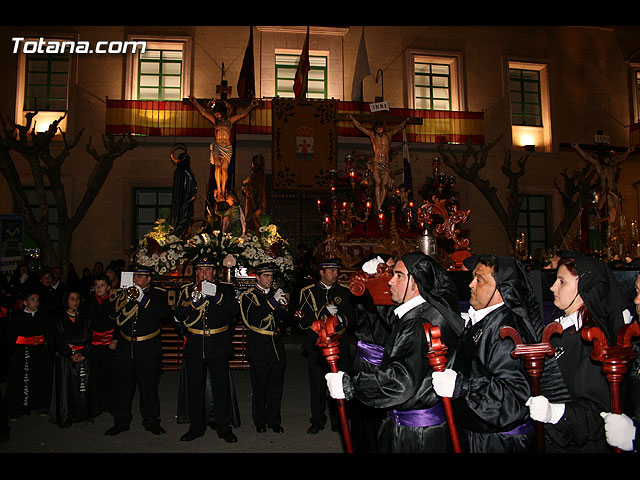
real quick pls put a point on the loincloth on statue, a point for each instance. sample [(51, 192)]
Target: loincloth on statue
[(382, 167), (220, 154)]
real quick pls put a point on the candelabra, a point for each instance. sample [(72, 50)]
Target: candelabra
[(349, 200), (439, 214)]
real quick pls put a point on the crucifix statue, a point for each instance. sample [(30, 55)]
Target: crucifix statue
[(380, 165), (221, 149), (605, 165)]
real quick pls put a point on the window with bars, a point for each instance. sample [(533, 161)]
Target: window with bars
[(46, 82), (432, 86), (160, 74), (526, 104), (149, 205), (286, 66), (532, 221)]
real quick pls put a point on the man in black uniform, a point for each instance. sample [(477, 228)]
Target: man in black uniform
[(263, 313), (205, 315), (320, 301), (138, 354)]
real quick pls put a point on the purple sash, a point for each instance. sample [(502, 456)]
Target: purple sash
[(369, 352), (419, 418), (525, 429)]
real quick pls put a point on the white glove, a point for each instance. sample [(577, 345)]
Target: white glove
[(444, 382), (371, 266), (332, 309), (140, 292), (208, 288), (619, 430), (541, 410), (279, 295), (334, 383)]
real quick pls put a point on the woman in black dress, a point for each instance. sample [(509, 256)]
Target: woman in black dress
[(70, 396)]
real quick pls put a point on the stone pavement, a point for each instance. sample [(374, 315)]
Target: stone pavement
[(35, 434)]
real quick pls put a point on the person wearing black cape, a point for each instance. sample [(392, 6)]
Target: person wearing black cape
[(205, 316), (70, 395), (402, 384), (588, 295), (488, 386), (371, 331)]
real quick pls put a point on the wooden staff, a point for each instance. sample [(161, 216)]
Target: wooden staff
[(533, 356), (329, 342), (438, 360), (614, 358)]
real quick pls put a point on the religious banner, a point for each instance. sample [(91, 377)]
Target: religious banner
[(304, 143)]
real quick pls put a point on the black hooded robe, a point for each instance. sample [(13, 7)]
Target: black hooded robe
[(581, 428), (491, 386), (402, 383)]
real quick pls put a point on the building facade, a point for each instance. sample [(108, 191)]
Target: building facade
[(533, 91)]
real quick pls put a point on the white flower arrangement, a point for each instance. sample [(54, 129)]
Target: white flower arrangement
[(163, 251), (160, 249), (268, 246)]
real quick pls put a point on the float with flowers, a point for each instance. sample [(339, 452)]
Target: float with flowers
[(170, 255)]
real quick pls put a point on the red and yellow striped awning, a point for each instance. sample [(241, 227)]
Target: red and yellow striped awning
[(171, 118)]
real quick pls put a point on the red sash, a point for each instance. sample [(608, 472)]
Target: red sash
[(102, 338), (37, 340)]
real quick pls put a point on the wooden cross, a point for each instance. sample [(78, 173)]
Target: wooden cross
[(223, 89)]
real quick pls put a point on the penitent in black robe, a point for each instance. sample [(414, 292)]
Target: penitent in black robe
[(70, 395), (581, 428), (403, 383), (371, 331), (491, 389)]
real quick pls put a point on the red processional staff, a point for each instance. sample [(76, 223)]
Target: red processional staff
[(533, 356), (437, 355), (329, 341), (614, 358)]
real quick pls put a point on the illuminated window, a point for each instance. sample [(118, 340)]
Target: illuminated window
[(432, 86), (286, 66), (434, 80), (149, 205), (46, 82), (526, 106), (527, 94), (160, 74)]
